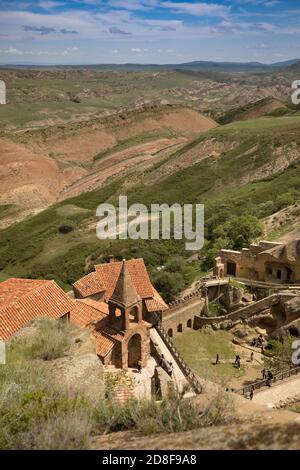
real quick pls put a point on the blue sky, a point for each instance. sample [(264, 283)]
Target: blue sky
[(148, 31)]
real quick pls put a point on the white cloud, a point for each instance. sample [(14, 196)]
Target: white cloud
[(198, 9), (48, 5), (13, 51)]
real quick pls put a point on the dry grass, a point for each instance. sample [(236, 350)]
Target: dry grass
[(36, 415)]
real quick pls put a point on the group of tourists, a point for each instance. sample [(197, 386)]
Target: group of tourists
[(267, 376), (237, 361), (166, 365), (259, 342)]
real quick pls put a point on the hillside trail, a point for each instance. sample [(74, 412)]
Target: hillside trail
[(279, 393)]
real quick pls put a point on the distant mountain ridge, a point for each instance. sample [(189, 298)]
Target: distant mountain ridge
[(194, 66)]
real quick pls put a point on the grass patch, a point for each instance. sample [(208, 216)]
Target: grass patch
[(199, 349), (49, 343)]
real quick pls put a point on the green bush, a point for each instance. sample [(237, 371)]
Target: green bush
[(172, 414), (240, 231), (33, 415), (169, 284)]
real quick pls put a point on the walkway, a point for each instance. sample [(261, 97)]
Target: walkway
[(143, 380), (178, 375), (279, 393)]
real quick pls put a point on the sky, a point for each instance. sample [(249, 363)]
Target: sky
[(148, 31)]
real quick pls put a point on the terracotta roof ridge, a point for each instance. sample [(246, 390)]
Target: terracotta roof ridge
[(132, 260)]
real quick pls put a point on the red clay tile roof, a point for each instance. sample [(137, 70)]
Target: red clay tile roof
[(87, 312), (89, 285), (90, 313), (103, 344), (22, 300), (106, 275)]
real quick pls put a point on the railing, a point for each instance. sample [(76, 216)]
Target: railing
[(263, 383), (188, 373)]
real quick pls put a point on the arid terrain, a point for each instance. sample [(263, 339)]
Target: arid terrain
[(71, 139), (66, 132)]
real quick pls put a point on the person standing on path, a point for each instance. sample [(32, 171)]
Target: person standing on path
[(251, 393), (252, 356), (269, 379), (217, 359), (170, 369)]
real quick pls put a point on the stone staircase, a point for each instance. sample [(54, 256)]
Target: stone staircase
[(189, 375)]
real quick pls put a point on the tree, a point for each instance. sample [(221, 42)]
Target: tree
[(239, 231), (169, 284)]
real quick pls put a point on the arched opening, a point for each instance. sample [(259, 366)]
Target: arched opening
[(189, 323), (170, 332), (134, 314), (118, 312), (231, 268), (134, 351), (179, 328)]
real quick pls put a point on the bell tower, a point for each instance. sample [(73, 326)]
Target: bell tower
[(125, 305)]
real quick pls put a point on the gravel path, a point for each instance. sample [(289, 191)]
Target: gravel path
[(279, 393)]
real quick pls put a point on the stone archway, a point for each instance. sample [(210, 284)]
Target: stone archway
[(179, 328), (170, 332), (134, 351), (189, 323)]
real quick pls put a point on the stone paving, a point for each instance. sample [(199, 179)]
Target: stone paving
[(279, 393)]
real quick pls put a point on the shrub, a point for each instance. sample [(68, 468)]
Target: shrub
[(63, 229), (168, 284), (240, 230), (49, 342), (172, 414), (33, 415)]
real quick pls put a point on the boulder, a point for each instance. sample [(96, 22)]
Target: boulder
[(292, 309), (81, 374)]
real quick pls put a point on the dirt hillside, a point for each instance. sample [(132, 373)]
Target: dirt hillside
[(42, 166), (262, 109)]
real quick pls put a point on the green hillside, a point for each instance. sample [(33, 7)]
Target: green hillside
[(256, 177)]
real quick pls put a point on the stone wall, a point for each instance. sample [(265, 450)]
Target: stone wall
[(181, 314), (257, 264), (245, 312)]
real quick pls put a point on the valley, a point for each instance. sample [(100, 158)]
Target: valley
[(238, 155)]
